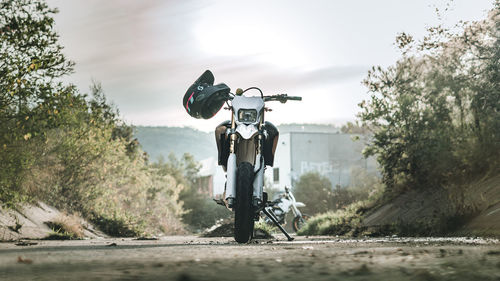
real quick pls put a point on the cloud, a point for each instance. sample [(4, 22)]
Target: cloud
[(147, 53)]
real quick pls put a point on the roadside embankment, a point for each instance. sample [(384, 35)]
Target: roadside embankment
[(472, 209), (40, 221)]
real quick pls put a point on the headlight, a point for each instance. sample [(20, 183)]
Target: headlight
[(247, 115)]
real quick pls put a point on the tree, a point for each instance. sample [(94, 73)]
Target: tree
[(355, 128), (319, 196), (315, 191), (31, 60), (200, 210), (68, 149), (436, 112)]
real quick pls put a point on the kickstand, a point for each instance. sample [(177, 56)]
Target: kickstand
[(273, 218)]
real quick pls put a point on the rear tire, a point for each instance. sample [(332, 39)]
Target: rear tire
[(244, 213), (298, 222)]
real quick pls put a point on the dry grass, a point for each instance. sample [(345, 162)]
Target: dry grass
[(66, 227)]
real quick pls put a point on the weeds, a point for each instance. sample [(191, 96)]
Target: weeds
[(65, 227), (340, 222), (17, 226), (262, 230)]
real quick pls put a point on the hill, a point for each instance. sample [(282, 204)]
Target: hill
[(161, 141)]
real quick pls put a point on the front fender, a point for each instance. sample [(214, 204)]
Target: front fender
[(246, 131), (299, 204)]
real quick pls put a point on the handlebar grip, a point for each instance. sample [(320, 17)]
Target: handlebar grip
[(294, 98)]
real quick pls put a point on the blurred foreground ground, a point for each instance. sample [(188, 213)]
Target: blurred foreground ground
[(306, 258)]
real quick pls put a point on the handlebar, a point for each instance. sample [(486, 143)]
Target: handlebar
[(281, 98)]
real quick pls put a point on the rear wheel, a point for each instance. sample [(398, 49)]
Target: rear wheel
[(299, 221), (243, 214)]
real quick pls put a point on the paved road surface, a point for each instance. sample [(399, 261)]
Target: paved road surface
[(313, 258)]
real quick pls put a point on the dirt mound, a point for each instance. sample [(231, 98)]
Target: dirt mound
[(33, 221), (473, 210), (485, 199), (225, 228), (413, 211), (222, 228)]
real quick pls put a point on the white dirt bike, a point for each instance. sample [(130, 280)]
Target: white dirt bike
[(284, 204), (246, 144)]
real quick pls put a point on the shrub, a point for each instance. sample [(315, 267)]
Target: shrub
[(65, 148), (340, 222), (200, 211), (317, 193), (65, 227), (435, 113)]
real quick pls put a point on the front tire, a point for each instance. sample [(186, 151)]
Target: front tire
[(244, 213), (298, 222)]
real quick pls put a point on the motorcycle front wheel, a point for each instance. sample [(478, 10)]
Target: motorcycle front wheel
[(244, 213), (299, 221)]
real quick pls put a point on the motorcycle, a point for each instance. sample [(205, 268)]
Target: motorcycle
[(280, 208), (246, 145)]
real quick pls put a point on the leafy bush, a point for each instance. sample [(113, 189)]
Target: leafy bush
[(435, 114), (317, 193), (435, 119), (340, 222), (200, 211), (65, 148), (65, 227), (262, 230)]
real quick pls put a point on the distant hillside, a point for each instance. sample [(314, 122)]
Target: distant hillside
[(162, 141), (313, 128), (158, 141)]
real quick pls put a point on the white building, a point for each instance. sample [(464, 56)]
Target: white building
[(331, 154)]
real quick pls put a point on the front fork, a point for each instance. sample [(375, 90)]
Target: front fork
[(295, 211), (258, 181), (232, 168)]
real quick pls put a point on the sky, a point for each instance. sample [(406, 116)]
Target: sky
[(146, 53)]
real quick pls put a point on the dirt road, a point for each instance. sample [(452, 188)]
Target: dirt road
[(313, 258)]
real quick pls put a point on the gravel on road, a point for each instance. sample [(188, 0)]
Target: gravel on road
[(187, 258)]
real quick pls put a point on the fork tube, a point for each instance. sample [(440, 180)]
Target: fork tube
[(231, 166), (258, 182), (233, 135)]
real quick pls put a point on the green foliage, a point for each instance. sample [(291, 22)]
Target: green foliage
[(30, 99), (340, 211), (31, 57), (61, 231), (435, 119), (340, 222), (68, 149), (435, 114), (355, 128), (317, 193), (200, 211), (83, 170), (264, 230)]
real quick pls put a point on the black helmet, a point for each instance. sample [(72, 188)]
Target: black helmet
[(203, 99)]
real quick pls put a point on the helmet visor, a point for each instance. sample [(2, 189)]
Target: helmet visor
[(206, 77)]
